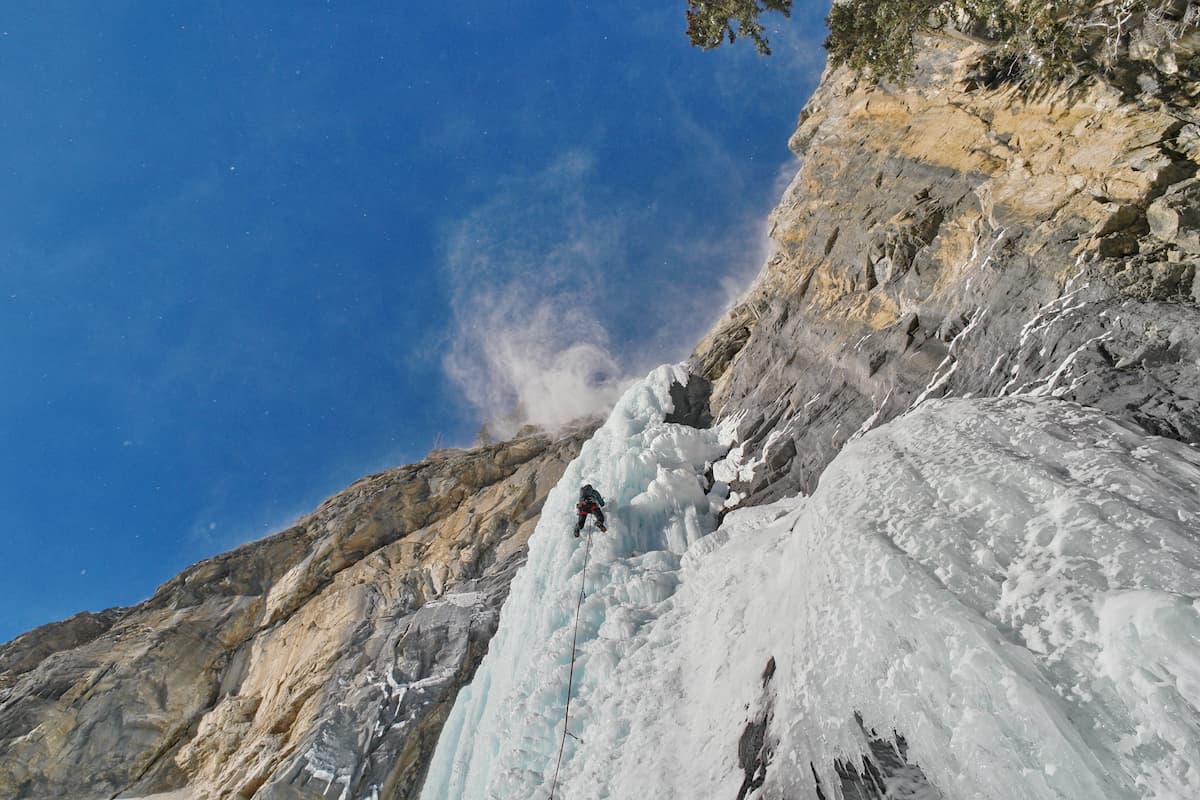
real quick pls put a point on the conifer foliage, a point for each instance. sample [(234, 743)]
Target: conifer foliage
[(1021, 39), (710, 22)]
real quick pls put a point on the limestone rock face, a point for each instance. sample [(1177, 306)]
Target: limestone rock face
[(324, 656), (948, 238)]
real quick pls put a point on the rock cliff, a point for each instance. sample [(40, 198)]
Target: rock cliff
[(324, 656), (951, 237)]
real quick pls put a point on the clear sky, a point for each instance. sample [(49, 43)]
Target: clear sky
[(253, 251)]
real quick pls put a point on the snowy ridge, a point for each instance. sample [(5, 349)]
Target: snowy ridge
[(1011, 584)]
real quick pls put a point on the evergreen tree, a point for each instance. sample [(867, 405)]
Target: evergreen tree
[(1022, 39), (710, 22)]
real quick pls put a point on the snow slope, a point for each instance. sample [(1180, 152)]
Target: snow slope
[(1010, 584)]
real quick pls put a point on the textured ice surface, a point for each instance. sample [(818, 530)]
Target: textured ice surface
[(1011, 584), (503, 735)]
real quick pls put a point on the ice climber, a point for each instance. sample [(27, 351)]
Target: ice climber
[(589, 503)]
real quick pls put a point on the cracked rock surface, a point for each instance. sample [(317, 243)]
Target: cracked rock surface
[(945, 238), (324, 656)]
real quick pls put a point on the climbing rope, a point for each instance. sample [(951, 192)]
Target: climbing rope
[(571, 675)]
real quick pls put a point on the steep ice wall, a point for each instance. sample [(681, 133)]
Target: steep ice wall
[(1011, 585), (504, 732)]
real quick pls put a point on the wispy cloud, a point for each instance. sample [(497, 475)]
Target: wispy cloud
[(523, 270), (532, 275), (570, 278)]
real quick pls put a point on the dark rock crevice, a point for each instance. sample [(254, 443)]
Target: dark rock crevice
[(884, 772), (691, 403), (755, 747)]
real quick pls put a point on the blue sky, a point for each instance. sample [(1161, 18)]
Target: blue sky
[(254, 251)]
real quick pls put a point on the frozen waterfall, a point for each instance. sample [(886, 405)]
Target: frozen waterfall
[(1010, 584)]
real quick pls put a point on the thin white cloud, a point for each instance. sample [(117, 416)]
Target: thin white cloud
[(536, 272), (531, 276), (731, 258), (523, 269)]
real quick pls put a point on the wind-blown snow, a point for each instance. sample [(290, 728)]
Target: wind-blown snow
[(1010, 584)]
